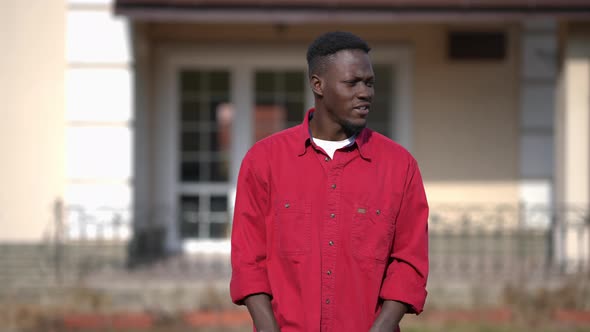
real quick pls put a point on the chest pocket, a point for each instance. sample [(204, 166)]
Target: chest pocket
[(372, 233), (293, 227)]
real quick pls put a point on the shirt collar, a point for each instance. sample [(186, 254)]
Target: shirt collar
[(361, 141)]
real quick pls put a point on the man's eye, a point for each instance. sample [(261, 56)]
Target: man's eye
[(370, 84)]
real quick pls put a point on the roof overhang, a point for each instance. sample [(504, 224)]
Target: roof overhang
[(348, 11)]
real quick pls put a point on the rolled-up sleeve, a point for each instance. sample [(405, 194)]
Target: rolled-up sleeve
[(248, 239), (406, 275)]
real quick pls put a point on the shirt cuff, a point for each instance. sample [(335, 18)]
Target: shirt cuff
[(245, 283), (403, 284)]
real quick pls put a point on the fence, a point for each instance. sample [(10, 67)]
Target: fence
[(82, 241), (467, 243), (507, 242)]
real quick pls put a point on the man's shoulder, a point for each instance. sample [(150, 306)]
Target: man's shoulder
[(291, 133), (281, 139), (381, 143)]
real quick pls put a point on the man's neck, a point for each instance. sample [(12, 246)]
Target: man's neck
[(324, 128)]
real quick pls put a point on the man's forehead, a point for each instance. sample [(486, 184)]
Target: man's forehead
[(345, 59), (350, 54)]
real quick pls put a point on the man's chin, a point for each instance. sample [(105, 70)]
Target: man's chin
[(353, 128)]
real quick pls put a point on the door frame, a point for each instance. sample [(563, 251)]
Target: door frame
[(242, 62)]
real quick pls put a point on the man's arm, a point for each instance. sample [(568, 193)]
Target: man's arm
[(250, 284), (405, 277), (391, 314), (261, 311)]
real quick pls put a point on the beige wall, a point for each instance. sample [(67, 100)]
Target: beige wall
[(573, 118), (466, 114), (31, 125), (573, 145), (466, 124)]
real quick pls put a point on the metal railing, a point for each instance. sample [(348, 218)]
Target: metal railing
[(508, 242), (484, 243), (81, 241)]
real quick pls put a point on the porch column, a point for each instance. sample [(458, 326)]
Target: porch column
[(573, 146), (242, 126), (99, 122)]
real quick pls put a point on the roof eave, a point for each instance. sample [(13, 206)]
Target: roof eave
[(341, 15)]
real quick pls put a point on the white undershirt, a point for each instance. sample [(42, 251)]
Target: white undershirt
[(331, 146)]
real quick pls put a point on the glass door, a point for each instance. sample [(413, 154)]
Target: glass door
[(204, 139)]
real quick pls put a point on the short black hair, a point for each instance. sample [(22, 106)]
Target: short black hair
[(329, 43)]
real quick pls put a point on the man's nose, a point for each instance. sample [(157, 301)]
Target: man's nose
[(365, 92)]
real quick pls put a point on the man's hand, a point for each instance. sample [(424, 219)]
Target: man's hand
[(391, 314), (261, 311)]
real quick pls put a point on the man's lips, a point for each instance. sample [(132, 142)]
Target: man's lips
[(362, 109)]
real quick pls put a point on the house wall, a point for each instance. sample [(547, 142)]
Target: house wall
[(32, 64), (466, 114), (66, 113)]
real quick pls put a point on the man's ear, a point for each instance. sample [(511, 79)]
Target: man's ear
[(317, 85)]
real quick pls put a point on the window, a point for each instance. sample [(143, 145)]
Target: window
[(205, 131)]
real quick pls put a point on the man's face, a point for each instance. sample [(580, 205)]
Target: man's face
[(348, 89)]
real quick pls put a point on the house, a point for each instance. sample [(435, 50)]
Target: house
[(141, 110)]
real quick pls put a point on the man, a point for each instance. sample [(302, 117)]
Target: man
[(330, 221)]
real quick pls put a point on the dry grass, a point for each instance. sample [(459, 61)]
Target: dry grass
[(532, 310), (493, 328), (536, 305)]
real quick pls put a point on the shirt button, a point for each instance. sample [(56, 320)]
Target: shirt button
[(329, 272), (334, 186), (326, 159), (378, 212), (331, 243), (332, 215), (287, 205), (327, 301)]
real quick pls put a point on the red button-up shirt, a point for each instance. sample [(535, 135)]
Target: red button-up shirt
[(329, 239)]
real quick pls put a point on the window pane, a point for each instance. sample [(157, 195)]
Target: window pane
[(381, 110), (219, 230), (206, 120), (383, 78), (190, 81), (218, 203), (189, 216), (219, 171), (219, 81), (294, 81), (190, 171), (190, 111), (265, 81), (190, 141)]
